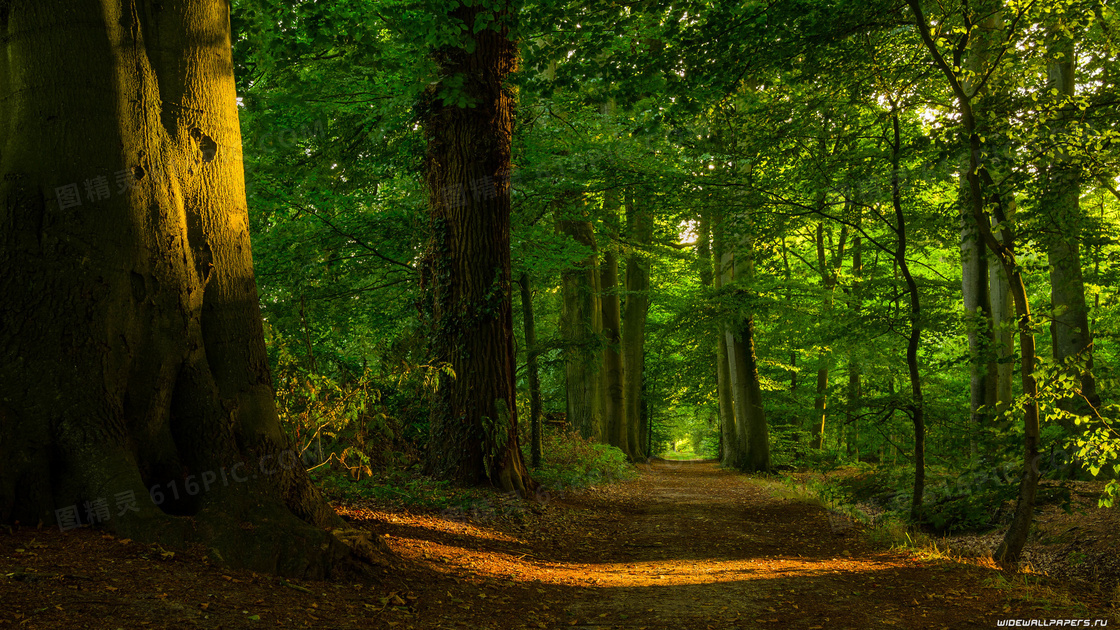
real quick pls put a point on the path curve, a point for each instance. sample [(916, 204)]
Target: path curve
[(689, 545)]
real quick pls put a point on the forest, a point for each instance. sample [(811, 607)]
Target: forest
[(577, 297)]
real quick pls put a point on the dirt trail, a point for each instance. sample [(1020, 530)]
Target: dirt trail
[(686, 545)]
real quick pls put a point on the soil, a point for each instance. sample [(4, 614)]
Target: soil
[(684, 545)]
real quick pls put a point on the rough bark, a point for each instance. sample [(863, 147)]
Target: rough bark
[(580, 328), (473, 428), (639, 230), (133, 369), (531, 368)]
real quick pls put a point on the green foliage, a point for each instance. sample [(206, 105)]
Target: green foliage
[(353, 423), (1099, 447), (688, 430), (787, 444), (830, 492), (572, 462), (409, 488), (796, 144), (396, 487)]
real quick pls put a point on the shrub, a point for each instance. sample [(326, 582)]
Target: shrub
[(571, 461)]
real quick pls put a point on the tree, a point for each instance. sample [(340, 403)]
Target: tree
[(639, 228), (581, 323), (731, 454), (614, 418), (986, 209), (749, 444), (468, 125), (1061, 205), (980, 295), (134, 373), (533, 370), (828, 266)]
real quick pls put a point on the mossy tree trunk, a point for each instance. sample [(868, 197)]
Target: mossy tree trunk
[(730, 454), (639, 230), (613, 397), (133, 373), (751, 439), (467, 283), (581, 323)]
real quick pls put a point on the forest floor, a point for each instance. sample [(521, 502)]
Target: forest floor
[(684, 545)]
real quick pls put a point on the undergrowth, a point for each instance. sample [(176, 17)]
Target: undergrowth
[(572, 461)]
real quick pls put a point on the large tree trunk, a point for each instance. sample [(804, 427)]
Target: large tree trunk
[(730, 456), (618, 433), (1002, 314), (975, 280), (975, 285), (1061, 205), (134, 376), (473, 429), (639, 230), (581, 320), (755, 427), (751, 439), (533, 370), (1003, 322)]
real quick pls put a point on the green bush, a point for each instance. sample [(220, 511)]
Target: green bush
[(571, 461), (361, 423)]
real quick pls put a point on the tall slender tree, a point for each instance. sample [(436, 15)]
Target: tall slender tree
[(532, 367), (639, 229), (965, 86), (614, 418)]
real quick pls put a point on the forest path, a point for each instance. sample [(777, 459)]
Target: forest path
[(684, 546), (688, 545)]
